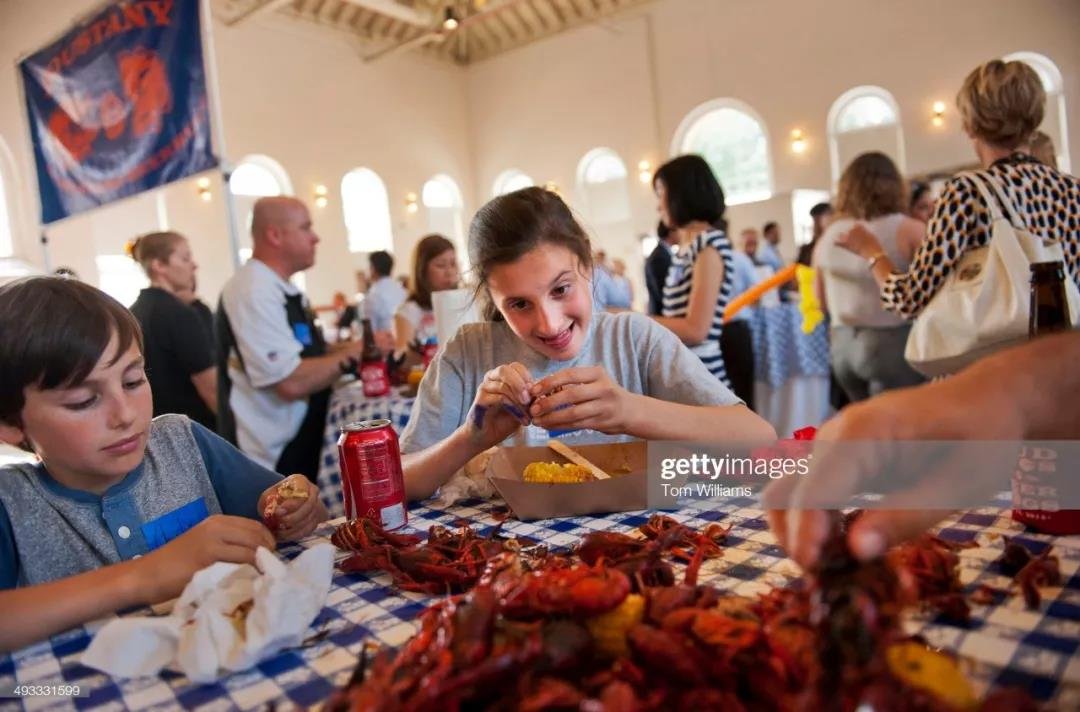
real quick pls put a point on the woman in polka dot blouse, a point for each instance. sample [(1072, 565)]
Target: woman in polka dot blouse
[(1001, 104)]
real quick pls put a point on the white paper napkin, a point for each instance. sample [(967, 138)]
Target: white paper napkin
[(229, 617)]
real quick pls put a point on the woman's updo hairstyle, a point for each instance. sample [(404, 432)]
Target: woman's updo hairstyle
[(1002, 103), (153, 246)]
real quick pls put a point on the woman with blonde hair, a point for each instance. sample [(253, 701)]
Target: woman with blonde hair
[(1001, 105), (866, 342), (178, 349), (1041, 146)]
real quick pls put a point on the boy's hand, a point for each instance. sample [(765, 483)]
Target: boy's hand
[(292, 508), (217, 538)]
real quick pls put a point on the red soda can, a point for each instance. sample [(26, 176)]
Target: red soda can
[(429, 351), (376, 378), (372, 483), (1035, 486)]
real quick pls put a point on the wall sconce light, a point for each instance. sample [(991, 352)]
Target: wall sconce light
[(939, 114), (412, 203), (320, 196), (798, 141), (644, 172), (553, 187), (203, 185), (450, 22)]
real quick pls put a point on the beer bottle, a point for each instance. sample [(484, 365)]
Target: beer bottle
[(1049, 305), (1035, 480), (373, 371)]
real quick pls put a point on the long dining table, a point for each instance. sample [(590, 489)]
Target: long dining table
[(1004, 644)]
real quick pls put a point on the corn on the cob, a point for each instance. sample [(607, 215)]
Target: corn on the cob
[(550, 472), (608, 630), (937, 673)]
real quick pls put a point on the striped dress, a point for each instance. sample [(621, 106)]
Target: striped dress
[(677, 295)]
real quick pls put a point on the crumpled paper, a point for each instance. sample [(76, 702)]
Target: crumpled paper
[(468, 482), (229, 617)]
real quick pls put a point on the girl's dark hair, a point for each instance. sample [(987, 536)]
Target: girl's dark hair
[(429, 247), (511, 225), (53, 332), (871, 186), (693, 193)]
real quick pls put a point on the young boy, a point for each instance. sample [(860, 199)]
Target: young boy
[(121, 510)]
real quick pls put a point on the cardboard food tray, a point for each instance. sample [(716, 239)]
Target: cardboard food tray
[(530, 500)]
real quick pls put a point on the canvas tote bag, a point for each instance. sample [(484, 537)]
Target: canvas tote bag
[(985, 301)]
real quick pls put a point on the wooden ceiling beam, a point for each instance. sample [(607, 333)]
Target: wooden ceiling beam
[(494, 41), (532, 24), (327, 10), (257, 8), (543, 11), (474, 38), (397, 11), (369, 22), (348, 14), (500, 18), (555, 6), (406, 31)]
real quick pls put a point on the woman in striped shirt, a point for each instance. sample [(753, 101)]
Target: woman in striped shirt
[(698, 284)]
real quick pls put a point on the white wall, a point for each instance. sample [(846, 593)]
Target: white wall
[(301, 95), (295, 92)]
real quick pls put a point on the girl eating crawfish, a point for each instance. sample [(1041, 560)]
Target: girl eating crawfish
[(546, 358)]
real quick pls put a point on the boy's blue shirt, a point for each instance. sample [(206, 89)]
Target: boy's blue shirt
[(236, 480)]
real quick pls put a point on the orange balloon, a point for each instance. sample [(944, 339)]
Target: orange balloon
[(752, 295)]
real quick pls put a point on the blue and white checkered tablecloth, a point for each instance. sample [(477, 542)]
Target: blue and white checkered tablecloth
[(1004, 644), (348, 404), (781, 349)]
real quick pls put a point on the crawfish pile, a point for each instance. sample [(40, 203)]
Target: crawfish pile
[(609, 628), (450, 561)]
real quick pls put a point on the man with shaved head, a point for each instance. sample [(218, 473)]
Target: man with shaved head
[(274, 369)]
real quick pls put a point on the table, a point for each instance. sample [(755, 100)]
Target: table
[(1004, 643), (791, 369), (348, 404)]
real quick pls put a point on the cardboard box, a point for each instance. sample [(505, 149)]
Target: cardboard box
[(530, 500)]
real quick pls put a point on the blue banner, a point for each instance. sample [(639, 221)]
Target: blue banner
[(118, 105)]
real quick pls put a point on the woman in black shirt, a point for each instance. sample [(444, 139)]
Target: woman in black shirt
[(178, 349)]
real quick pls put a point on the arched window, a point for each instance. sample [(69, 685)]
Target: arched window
[(731, 137), (445, 208), (510, 180), (7, 201), (120, 277), (254, 177), (367, 211), (1054, 122), (863, 119), (601, 180)]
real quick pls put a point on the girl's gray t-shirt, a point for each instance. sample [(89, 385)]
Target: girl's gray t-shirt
[(638, 353)]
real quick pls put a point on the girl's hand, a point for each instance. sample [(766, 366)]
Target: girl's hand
[(583, 397), (501, 405), (860, 241)]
